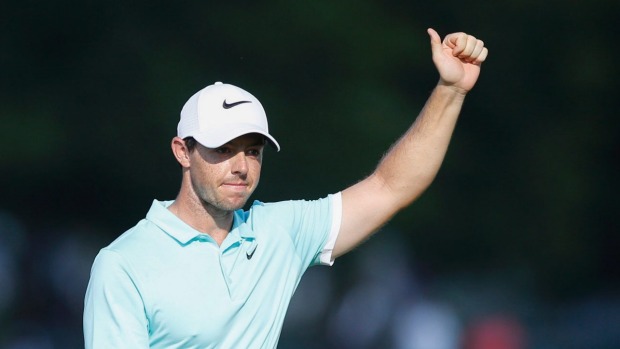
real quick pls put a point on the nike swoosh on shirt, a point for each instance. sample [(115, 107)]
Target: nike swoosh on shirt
[(249, 255), (230, 105)]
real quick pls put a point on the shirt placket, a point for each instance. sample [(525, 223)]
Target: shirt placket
[(231, 258)]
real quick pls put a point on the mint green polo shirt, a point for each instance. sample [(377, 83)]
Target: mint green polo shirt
[(163, 284)]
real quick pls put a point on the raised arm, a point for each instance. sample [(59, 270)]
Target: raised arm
[(411, 164)]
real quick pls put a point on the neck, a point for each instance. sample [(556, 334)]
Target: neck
[(203, 217)]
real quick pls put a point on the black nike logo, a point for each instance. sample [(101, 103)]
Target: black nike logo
[(230, 105), (249, 254)]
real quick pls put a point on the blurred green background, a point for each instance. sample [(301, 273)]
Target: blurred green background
[(525, 206)]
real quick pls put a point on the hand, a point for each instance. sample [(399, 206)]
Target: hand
[(457, 59)]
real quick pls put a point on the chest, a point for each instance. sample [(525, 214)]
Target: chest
[(211, 295)]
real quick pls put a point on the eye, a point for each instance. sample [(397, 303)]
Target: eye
[(253, 152), (222, 150)]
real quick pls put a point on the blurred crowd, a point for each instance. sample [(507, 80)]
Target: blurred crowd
[(375, 297)]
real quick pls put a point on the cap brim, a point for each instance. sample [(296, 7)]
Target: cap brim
[(217, 139)]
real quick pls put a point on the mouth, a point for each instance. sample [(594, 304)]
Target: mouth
[(236, 186)]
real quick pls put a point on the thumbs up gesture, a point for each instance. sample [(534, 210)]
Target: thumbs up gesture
[(457, 59)]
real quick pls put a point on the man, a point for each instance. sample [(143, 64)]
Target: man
[(199, 272)]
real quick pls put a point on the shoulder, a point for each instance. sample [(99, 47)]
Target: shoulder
[(134, 238), (282, 208), (136, 246), (291, 211)]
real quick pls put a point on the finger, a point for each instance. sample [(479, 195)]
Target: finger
[(479, 45), (434, 36), (482, 57), (477, 50), (470, 46), (435, 40), (456, 41)]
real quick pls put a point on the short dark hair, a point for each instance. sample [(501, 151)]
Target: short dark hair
[(190, 143)]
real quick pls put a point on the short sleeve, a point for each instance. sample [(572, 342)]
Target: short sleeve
[(325, 257), (114, 315), (312, 225)]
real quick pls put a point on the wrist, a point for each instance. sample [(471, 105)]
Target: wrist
[(450, 91)]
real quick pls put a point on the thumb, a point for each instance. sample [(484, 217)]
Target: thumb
[(436, 45)]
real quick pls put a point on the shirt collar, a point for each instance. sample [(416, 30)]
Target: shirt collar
[(184, 234)]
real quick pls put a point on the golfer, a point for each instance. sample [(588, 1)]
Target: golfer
[(201, 272)]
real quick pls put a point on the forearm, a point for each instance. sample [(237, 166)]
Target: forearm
[(403, 174), (412, 163)]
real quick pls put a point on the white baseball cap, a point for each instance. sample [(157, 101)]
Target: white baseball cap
[(221, 112)]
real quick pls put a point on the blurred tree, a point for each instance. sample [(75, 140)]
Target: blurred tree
[(91, 92)]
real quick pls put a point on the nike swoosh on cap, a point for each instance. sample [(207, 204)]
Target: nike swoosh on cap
[(230, 105)]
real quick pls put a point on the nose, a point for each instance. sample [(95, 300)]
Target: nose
[(239, 164)]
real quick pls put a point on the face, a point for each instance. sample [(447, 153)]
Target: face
[(224, 178)]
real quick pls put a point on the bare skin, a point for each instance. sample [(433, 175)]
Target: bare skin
[(413, 162), (218, 181)]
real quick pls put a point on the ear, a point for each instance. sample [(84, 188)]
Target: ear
[(180, 151)]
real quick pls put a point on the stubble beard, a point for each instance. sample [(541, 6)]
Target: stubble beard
[(219, 205), (216, 202)]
